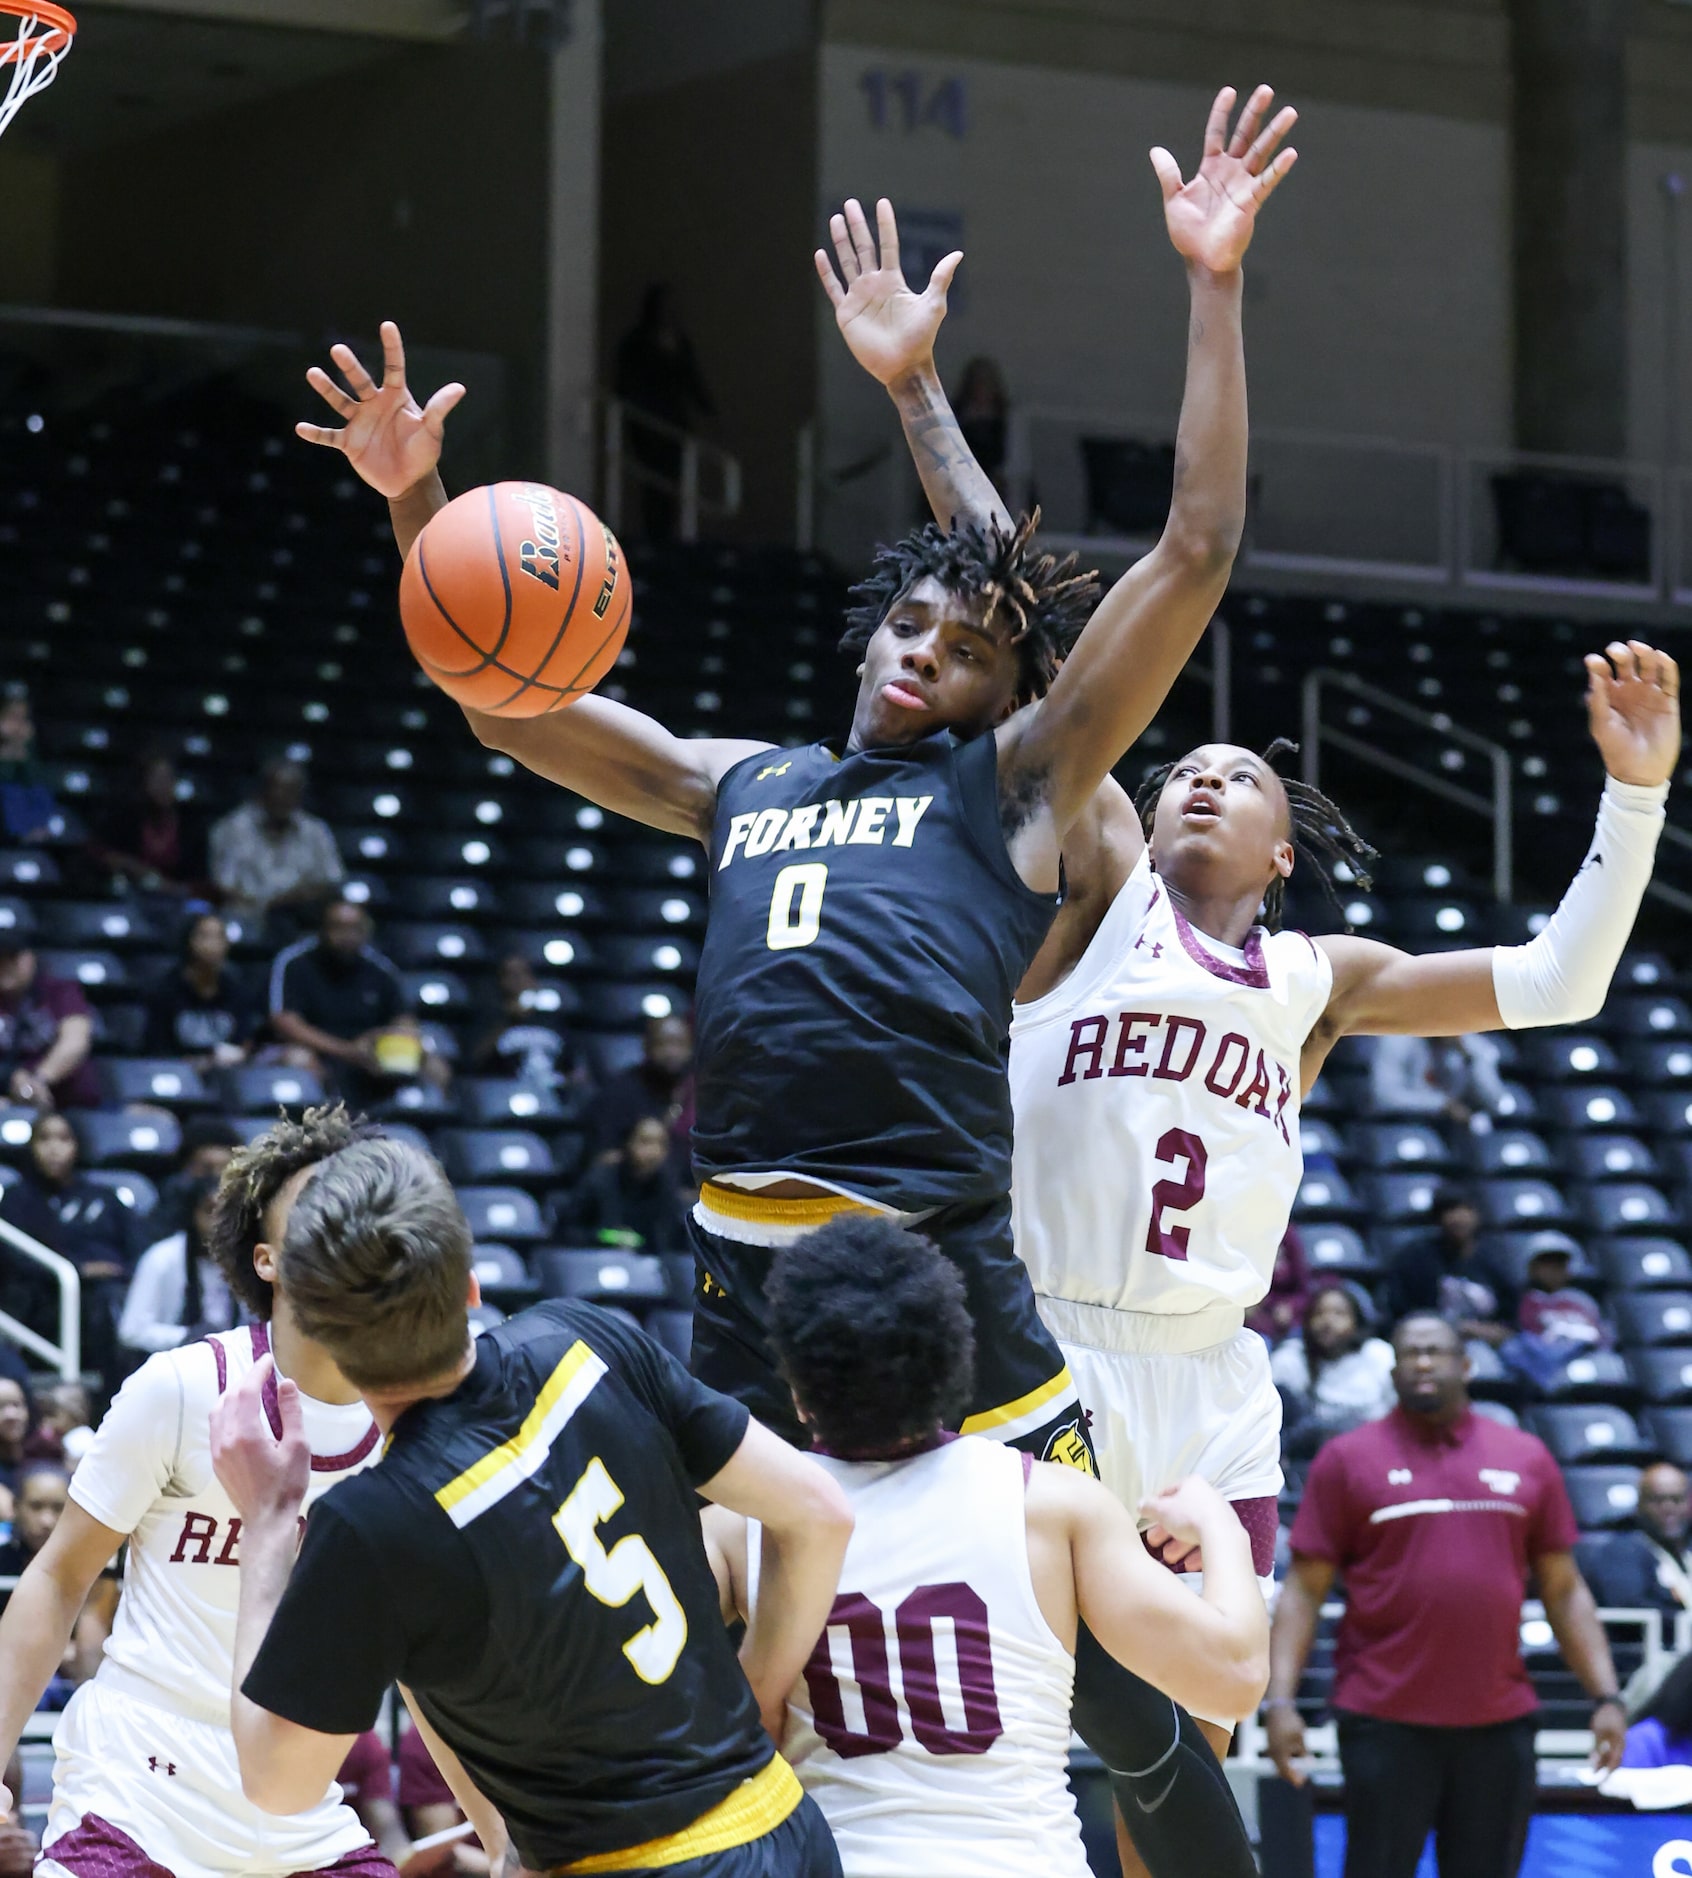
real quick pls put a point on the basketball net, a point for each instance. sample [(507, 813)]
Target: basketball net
[(30, 60)]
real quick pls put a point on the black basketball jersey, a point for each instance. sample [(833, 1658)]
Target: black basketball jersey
[(867, 934), (541, 1586)]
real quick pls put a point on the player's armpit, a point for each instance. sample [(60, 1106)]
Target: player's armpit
[(1379, 990), (1099, 853), (621, 759), (725, 1547)]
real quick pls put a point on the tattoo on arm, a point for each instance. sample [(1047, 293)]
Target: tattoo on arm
[(957, 487)]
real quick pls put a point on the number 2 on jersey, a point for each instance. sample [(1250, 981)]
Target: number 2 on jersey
[(796, 905), (614, 1577), (1177, 1196)]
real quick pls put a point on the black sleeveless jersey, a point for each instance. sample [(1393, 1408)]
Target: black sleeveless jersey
[(867, 933), (527, 1559)]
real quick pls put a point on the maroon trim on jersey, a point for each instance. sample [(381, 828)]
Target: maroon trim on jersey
[(95, 1848), (320, 1463), (220, 1357), (1254, 973), (260, 1334), (364, 1861), (1027, 1468), (339, 1463), (1261, 1518)]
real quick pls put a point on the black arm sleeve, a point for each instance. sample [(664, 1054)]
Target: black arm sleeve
[(337, 1640)]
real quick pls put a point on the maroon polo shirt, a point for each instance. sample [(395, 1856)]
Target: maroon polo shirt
[(1434, 1531)]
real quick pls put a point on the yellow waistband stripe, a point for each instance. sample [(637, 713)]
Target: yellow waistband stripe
[(760, 1210), (1062, 1384), (755, 1807)]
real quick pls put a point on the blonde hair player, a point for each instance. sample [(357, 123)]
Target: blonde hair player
[(1168, 1032)]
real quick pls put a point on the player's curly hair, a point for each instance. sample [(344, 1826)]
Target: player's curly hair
[(1045, 600), (1318, 828), (873, 1335), (254, 1177)]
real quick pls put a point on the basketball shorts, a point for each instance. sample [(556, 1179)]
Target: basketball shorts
[(140, 1791), (1024, 1393)]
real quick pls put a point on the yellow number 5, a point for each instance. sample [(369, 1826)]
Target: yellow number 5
[(614, 1577)]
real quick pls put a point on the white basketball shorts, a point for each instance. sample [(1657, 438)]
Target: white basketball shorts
[(128, 1773)]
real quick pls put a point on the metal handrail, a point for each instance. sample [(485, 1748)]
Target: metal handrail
[(1498, 806), (66, 1355), (621, 467)]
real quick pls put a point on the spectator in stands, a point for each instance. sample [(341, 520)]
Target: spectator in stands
[(28, 810), (1647, 1569), (178, 1293), (269, 854), (43, 1490), (631, 1200), (1332, 1374), (1454, 1077), (82, 1221), (1284, 1304), (1662, 1735), (1432, 1698), (340, 1007), (660, 1084), (208, 1141), (46, 1034), (521, 1041), (65, 1424), (17, 1416), (656, 372), (1446, 1271), (203, 1010), (982, 407), (1556, 1322), (151, 840), (17, 1843)]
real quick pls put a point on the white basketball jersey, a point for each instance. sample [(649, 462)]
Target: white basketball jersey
[(149, 1474), (932, 1722), (1156, 1094)]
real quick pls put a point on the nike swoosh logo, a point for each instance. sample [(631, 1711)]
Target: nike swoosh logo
[(1164, 1795)]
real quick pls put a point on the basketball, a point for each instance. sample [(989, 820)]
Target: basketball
[(515, 599)]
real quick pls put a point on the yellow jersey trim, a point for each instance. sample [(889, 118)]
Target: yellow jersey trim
[(760, 1210), (512, 1462), (1061, 1384), (755, 1807)]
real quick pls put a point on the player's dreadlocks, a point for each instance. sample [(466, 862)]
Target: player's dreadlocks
[(1318, 828), (254, 1177), (1046, 600)]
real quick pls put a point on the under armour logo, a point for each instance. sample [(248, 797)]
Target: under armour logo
[(773, 769), (1398, 1476), (154, 1764), (1157, 947), (1592, 860)]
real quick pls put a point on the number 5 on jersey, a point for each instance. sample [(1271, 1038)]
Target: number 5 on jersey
[(796, 905), (614, 1577)]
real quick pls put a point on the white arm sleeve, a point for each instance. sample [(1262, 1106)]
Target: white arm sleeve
[(1563, 976)]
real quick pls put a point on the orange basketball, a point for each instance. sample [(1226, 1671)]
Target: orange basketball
[(515, 599)]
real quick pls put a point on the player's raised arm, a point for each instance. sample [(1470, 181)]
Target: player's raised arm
[(1210, 1653), (890, 331), (1563, 975), (1133, 648), (621, 759), (807, 1524)]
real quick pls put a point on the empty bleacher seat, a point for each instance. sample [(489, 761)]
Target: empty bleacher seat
[(1659, 1016), (1596, 1107), (98, 973), (1397, 1198), (1589, 1432), (495, 1154), (1564, 1055), (1654, 1317), (1662, 1375), (1406, 1145), (435, 993), (502, 1214), (1623, 1206), (1611, 1157), (601, 1275), (1602, 1497), (1656, 1065), (171, 1084), (1643, 1264), (28, 870), (1324, 1194), (1671, 1433), (1507, 1205), (1598, 1376), (420, 1103), (1508, 1152), (494, 1101), (1338, 1251), (421, 945), (252, 1087), (71, 924), (134, 1190), (113, 1140), (502, 1273)]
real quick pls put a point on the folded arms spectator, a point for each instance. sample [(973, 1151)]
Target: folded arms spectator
[(270, 853)]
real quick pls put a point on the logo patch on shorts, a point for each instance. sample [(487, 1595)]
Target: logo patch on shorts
[(1068, 1447)]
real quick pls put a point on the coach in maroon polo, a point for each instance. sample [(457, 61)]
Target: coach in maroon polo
[(1436, 1517)]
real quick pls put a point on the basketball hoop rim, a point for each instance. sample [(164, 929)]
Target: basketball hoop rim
[(60, 24)]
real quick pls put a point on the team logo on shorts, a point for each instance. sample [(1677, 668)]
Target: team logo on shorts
[(1068, 1447)]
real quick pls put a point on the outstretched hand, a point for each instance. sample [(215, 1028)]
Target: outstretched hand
[(1211, 219), (391, 441), (1633, 707), (889, 330)]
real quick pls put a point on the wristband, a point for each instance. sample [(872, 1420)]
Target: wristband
[(1282, 1701), (1607, 1701)]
